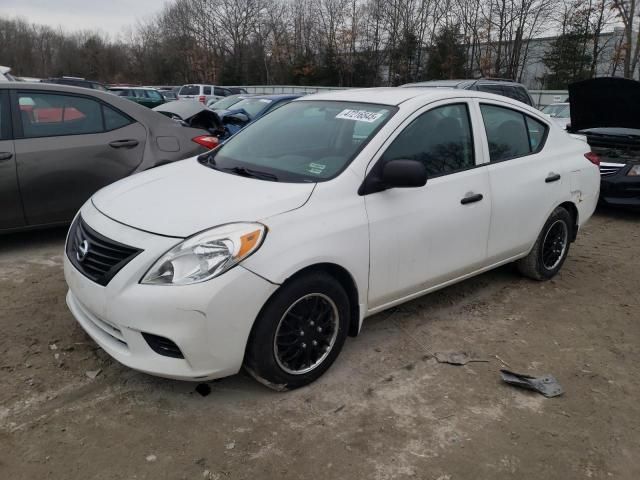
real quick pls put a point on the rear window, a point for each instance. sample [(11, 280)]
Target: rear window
[(190, 90)]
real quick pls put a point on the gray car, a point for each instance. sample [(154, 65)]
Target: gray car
[(60, 144)]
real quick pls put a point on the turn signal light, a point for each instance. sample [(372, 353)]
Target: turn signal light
[(207, 141), (593, 158)]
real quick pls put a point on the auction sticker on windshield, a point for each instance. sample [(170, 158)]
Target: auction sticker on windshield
[(359, 115)]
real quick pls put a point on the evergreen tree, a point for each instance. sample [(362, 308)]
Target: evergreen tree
[(446, 56)]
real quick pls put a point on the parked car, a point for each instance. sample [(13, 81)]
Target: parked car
[(605, 111), (269, 250), (237, 90), (60, 144), (5, 75), (247, 110), (169, 95), (202, 93), (226, 102), (498, 86), (78, 82), (559, 113), (149, 97)]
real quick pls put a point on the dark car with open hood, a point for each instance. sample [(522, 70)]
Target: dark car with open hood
[(606, 111)]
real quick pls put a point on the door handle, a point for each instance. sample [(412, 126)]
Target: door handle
[(553, 177), (124, 144), (6, 156), (471, 198)]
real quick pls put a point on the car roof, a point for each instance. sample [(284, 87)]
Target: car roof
[(438, 83), (124, 87), (281, 96), (394, 96), (383, 95), (127, 106)]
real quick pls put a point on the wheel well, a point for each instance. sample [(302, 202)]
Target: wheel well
[(573, 211), (346, 281)]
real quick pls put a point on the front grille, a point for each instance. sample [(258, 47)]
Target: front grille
[(607, 168), (96, 256), (162, 346)]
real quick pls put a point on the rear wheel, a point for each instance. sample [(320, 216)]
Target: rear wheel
[(551, 248), (299, 332)]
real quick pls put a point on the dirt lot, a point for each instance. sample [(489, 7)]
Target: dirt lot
[(385, 410)]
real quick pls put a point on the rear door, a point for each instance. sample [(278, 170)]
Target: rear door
[(11, 213), (67, 147), (526, 180)]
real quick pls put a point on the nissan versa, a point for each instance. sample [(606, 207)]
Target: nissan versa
[(269, 250)]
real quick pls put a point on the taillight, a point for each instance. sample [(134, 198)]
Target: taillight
[(593, 158), (207, 141), (202, 98)]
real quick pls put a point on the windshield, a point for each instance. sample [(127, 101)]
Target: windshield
[(303, 141), (253, 106), (225, 103)]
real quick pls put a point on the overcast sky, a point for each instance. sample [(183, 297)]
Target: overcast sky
[(109, 16)]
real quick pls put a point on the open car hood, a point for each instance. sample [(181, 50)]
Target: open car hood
[(604, 102), (192, 114)]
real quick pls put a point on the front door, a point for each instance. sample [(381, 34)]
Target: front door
[(423, 237), (69, 147), (11, 214)]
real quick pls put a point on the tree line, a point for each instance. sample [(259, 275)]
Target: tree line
[(335, 42)]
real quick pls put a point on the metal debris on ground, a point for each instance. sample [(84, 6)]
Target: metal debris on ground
[(547, 385), (456, 358), (92, 374)]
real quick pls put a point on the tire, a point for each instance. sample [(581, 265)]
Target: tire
[(288, 344), (546, 258)]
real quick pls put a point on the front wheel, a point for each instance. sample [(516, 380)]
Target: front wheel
[(551, 248), (299, 332)]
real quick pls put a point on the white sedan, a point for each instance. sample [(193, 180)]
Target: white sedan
[(269, 250)]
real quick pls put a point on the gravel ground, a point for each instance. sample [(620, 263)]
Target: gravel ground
[(385, 410)]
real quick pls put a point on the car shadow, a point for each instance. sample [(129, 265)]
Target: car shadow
[(33, 238), (625, 214)]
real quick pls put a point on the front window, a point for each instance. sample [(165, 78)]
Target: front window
[(303, 141), (441, 139)]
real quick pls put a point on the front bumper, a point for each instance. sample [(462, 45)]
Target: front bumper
[(209, 322), (620, 190)]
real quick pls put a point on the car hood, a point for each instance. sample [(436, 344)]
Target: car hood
[(604, 102), (185, 197)]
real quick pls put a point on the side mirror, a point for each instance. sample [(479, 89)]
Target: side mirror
[(404, 174), (394, 174)]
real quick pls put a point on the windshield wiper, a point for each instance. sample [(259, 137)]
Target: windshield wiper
[(208, 159), (247, 172)]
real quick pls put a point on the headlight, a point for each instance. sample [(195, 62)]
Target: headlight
[(206, 255), (634, 172)]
